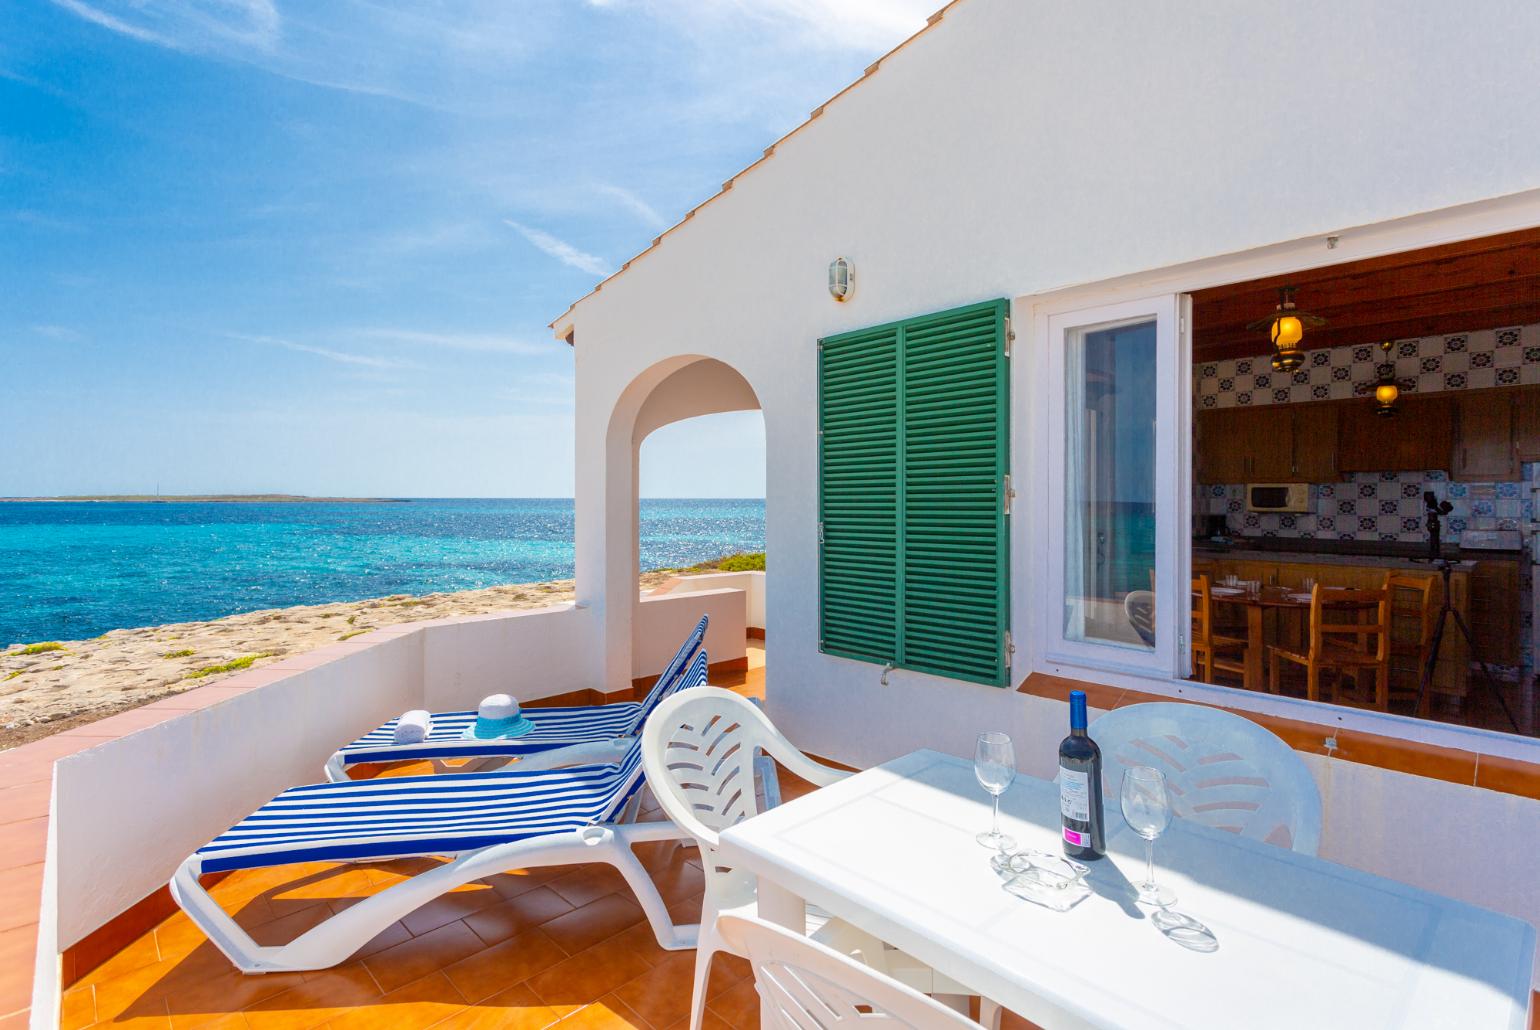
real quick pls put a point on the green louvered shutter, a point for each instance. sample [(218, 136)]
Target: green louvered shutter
[(858, 489), (914, 422), (955, 599)]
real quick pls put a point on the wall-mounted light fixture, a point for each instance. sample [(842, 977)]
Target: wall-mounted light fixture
[(842, 279), (1286, 328), (1386, 390)]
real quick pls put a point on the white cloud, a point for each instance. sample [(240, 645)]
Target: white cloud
[(485, 342), (61, 333), (561, 250), (186, 24), (636, 205), (341, 357)]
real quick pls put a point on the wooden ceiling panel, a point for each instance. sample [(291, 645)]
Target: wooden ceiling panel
[(1472, 285)]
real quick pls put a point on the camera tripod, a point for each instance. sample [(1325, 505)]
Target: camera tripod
[(1445, 611), (1435, 509)]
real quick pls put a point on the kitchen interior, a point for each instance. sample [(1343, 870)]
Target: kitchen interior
[(1329, 407)]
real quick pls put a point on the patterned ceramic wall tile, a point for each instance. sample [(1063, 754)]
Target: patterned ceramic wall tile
[(1429, 364)]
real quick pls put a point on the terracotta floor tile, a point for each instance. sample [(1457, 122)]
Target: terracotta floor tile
[(24, 842), (512, 884), (323, 996), (517, 1008), (593, 922), (21, 892), (285, 928), (421, 1003), (18, 949), (1510, 776), (228, 990), (606, 1014), (500, 966), (1439, 763), (77, 1007), (445, 909), (517, 914), (20, 801), (589, 883), (411, 960), (661, 996), (590, 975), (738, 1005), (220, 1021), (687, 910), (142, 952), (711, 1021)]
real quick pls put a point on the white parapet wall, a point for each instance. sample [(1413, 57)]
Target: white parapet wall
[(751, 583), (664, 620), (127, 811)]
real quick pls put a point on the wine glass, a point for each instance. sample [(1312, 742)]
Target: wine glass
[(994, 763), (1147, 810)]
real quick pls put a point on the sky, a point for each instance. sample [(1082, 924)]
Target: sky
[(313, 247)]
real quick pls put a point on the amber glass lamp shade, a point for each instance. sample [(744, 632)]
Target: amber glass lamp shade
[(1386, 394), (1287, 332)]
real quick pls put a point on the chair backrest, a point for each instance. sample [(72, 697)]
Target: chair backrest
[(805, 985), (698, 749), (1412, 607), (1139, 606), (1202, 610), (671, 678), (1372, 637), (1222, 770)]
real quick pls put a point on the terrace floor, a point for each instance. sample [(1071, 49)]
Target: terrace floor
[(566, 946)]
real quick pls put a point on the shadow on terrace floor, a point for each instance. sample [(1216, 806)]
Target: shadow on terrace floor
[(566, 946)]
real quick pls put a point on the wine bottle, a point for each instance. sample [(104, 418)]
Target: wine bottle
[(1080, 787)]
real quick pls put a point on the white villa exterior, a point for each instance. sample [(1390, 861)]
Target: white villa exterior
[(1086, 163)]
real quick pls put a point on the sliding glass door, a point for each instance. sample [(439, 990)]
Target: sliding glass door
[(1116, 465)]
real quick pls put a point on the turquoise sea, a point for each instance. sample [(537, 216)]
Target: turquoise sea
[(71, 570)]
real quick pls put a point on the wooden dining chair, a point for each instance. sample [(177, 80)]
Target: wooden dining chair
[(1346, 648), (1211, 649), (1413, 611)]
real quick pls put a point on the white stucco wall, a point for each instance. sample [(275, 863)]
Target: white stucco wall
[(1020, 148), (1013, 149)]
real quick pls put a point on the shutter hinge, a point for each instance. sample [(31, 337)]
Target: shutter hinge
[(1009, 493), (1181, 324), (820, 532), (1009, 649), (1010, 335)]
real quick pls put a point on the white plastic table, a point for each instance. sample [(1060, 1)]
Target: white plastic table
[(1302, 942)]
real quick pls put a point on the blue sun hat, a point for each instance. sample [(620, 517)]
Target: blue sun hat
[(497, 717)]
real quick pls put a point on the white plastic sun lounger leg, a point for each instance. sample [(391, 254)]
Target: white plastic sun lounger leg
[(340, 936), (989, 1014)]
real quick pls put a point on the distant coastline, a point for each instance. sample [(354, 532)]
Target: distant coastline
[(204, 499)]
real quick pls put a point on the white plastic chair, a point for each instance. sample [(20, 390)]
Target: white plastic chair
[(699, 749), (1222, 770), (807, 986)]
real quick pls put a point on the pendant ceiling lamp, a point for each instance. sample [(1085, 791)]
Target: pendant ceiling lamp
[(1286, 329), (1387, 390)]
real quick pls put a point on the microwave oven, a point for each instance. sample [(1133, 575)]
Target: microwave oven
[(1282, 497)]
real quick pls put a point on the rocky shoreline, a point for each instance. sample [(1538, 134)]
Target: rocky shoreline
[(48, 687)]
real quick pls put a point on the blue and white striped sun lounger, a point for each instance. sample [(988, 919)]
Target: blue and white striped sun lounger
[(484, 822), (555, 728)]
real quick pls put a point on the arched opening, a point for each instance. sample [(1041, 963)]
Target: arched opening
[(685, 488)]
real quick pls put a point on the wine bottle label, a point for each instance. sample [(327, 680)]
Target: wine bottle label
[(1075, 837), (1074, 796)]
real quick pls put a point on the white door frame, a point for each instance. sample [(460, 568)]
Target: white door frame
[(1031, 429), (1054, 325)]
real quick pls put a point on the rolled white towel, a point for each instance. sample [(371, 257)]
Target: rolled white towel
[(497, 708), (413, 727)]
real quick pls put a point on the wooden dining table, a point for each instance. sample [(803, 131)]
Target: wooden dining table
[(1257, 602)]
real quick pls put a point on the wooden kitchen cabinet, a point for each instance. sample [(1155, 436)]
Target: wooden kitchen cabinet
[(1272, 443), (1483, 449), (1224, 446), (1416, 439), (1526, 423), (1494, 611), (1314, 443)]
